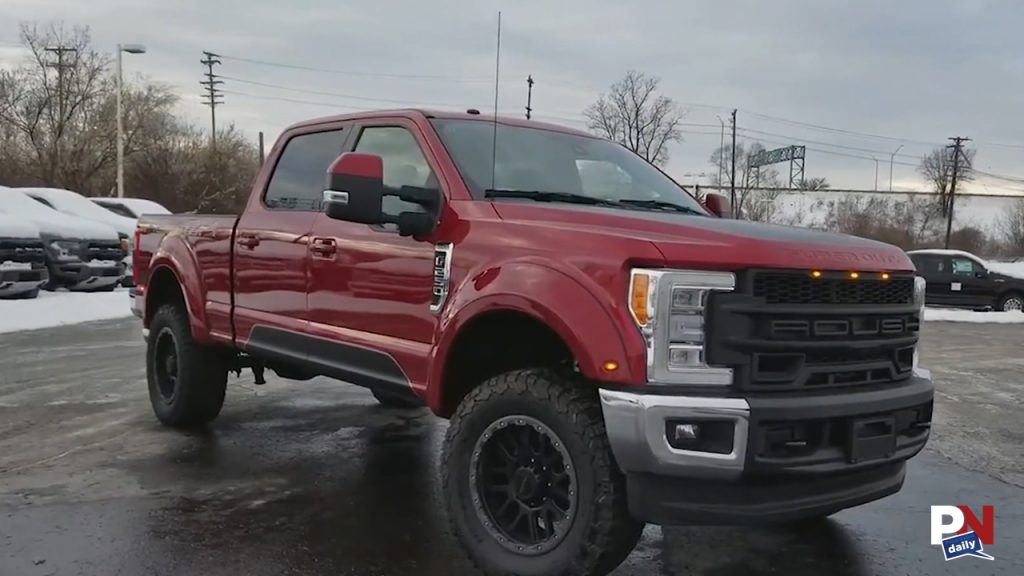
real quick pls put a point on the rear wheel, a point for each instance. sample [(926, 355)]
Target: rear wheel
[(530, 483), (1011, 302), (187, 381)]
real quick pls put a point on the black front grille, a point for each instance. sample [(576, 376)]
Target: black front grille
[(785, 331), (104, 251), (22, 250), (802, 288)]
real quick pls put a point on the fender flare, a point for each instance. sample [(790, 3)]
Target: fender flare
[(577, 312), (175, 256)]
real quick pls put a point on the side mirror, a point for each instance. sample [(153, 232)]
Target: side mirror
[(355, 189), (982, 274), (718, 204)]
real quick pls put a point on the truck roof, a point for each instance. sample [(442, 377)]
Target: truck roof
[(944, 252), (424, 113)]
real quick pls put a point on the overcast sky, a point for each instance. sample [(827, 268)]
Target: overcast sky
[(915, 71)]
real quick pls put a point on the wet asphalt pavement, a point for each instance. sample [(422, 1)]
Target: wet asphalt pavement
[(315, 478)]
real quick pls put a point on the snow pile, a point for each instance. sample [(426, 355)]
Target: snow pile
[(1009, 268), (62, 308), (949, 315)]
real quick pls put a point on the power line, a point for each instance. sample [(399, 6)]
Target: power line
[(357, 73), (297, 100), (839, 130), (819, 142), (339, 95)]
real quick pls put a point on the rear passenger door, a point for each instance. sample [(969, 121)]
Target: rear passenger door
[(935, 270), (271, 264)]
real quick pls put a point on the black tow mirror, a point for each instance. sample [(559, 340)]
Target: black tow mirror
[(355, 189)]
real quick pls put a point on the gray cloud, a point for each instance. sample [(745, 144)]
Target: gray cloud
[(920, 70)]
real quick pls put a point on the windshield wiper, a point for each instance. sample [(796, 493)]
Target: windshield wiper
[(541, 196), (662, 205)]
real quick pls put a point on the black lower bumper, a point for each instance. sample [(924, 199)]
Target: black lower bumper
[(16, 282), (82, 276), (666, 500), (765, 457)]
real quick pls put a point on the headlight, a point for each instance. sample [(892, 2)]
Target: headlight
[(669, 308), (920, 287), (66, 248)]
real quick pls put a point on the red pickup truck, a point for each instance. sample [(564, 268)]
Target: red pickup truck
[(609, 351)]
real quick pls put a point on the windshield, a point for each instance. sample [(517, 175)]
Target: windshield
[(537, 160), (118, 209)]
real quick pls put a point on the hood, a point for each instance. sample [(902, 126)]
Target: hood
[(11, 227), (78, 206), (709, 242)]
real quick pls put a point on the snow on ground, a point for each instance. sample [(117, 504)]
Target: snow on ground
[(62, 308), (949, 315)]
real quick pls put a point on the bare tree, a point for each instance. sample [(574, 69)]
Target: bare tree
[(1011, 224), (757, 190), (937, 168), (814, 184), (634, 114), (57, 116)]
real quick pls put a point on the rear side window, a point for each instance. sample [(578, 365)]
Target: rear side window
[(301, 172), (931, 264)]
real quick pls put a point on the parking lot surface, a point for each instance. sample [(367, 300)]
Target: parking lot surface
[(315, 478)]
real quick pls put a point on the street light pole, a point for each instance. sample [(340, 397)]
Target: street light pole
[(131, 49), (876, 172), (892, 160)]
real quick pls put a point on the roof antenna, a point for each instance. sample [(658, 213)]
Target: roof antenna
[(497, 75)]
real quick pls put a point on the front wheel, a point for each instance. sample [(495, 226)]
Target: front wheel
[(530, 483), (1012, 302)]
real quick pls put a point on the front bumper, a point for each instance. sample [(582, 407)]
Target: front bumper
[(756, 480), (76, 275), (15, 282)]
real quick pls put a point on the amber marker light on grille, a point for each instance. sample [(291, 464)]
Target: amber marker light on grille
[(854, 275), (885, 275), (816, 274)]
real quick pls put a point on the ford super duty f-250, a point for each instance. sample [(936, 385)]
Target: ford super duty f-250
[(609, 351)]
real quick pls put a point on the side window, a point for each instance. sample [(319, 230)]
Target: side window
[(404, 163), (964, 267), (299, 176), (930, 264)]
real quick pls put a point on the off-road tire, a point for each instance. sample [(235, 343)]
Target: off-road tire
[(602, 532), (201, 372), (395, 400)]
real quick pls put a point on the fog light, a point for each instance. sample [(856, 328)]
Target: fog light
[(687, 432), (682, 356), (714, 436)]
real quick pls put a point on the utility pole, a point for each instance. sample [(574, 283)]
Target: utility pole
[(262, 155), (876, 172), (957, 147), (721, 150), (732, 177), (60, 51), (529, 95), (213, 94)]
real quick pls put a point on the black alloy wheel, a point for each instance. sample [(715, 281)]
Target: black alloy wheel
[(523, 485)]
